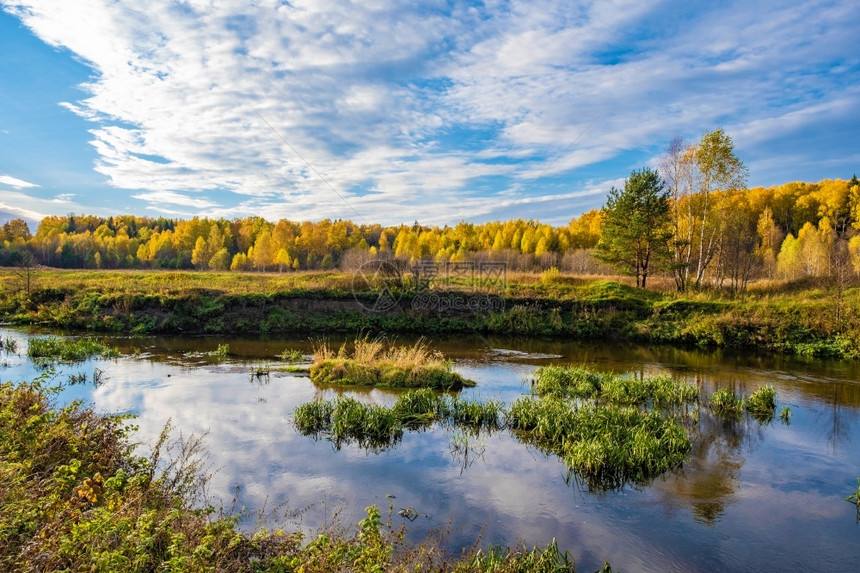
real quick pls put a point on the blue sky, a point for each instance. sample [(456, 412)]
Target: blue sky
[(389, 111)]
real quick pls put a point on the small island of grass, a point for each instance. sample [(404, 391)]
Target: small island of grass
[(373, 362)]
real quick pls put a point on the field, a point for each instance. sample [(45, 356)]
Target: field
[(805, 318)]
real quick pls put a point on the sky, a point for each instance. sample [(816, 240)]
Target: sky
[(385, 111)]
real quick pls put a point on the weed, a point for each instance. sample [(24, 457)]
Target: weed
[(99, 377), (292, 355), (70, 350), (726, 403), (761, 404), (785, 415), (855, 499), (9, 345), (260, 371), (499, 559), (660, 392), (221, 352), (79, 378), (344, 420), (608, 446)]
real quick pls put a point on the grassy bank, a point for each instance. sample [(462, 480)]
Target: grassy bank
[(74, 497), (807, 319)]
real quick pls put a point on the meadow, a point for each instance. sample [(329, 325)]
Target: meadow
[(806, 317)]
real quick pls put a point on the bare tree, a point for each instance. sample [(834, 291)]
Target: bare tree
[(24, 274)]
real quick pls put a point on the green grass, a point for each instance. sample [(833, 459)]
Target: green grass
[(292, 355), (577, 382), (607, 446), (797, 318), (611, 430), (70, 350), (345, 420), (374, 362), (221, 352), (761, 404), (726, 403)]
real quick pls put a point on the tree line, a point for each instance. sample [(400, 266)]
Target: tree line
[(692, 219)]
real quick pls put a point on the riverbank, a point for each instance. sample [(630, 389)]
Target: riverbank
[(804, 319)]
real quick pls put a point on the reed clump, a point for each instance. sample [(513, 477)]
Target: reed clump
[(375, 362), (726, 404), (52, 349), (292, 356), (346, 420), (761, 404), (608, 446), (661, 392)]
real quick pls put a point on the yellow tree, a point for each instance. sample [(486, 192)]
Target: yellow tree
[(264, 251)]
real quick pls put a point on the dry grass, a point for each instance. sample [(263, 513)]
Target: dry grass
[(376, 362)]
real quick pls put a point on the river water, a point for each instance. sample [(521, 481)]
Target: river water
[(751, 497)]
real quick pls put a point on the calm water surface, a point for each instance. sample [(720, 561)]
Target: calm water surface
[(750, 497)]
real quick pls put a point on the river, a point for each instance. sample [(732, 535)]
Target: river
[(750, 497)]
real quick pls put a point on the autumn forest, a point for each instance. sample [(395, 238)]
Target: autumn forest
[(718, 233)]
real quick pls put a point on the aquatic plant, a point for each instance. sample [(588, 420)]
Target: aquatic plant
[(292, 355), (312, 418), (761, 404), (584, 384), (484, 415), (371, 426), (46, 350), (785, 415), (8, 344), (855, 497), (222, 351), (345, 419), (79, 378), (373, 362), (500, 559), (726, 403), (608, 446)]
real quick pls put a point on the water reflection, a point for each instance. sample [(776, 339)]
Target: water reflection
[(749, 497)]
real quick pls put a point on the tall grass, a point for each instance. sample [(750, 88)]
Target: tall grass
[(375, 362), (346, 420), (761, 404), (55, 349), (660, 392), (611, 430), (726, 403), (607, 446)]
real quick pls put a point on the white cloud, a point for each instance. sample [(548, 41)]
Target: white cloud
[(15, 183), (10, 207), (319, 108), (172, 198)]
